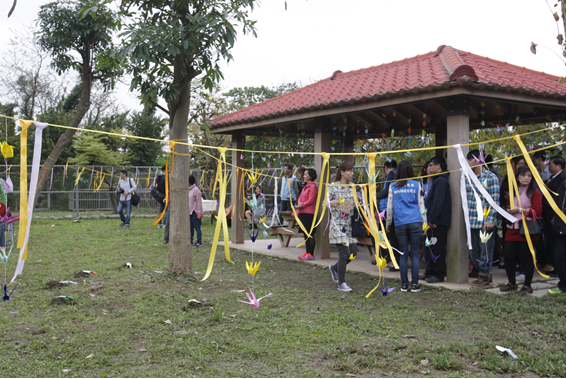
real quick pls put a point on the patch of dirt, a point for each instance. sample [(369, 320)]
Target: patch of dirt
[(81, 274), (54, 284)]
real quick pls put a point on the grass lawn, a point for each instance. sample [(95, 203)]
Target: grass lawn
[(116, 324)]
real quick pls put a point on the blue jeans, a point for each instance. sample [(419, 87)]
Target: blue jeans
[(161, 208), (195, 226), (409, 233), (121, 206)]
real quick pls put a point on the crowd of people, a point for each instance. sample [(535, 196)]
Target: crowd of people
[(417, 213)]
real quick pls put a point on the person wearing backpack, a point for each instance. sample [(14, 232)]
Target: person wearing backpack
[(125, 188)]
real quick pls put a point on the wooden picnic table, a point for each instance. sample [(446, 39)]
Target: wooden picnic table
[(286, 233)]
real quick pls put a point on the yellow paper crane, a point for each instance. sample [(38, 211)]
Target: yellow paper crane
[(425, 227), (484, 236), (253, 177), (351, 257), (7, 150), (486, 212), (252, 268), (381, 262)]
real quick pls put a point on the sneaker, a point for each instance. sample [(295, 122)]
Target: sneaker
[(405, 287), (393, 269), (127, 225), (415, 288), (525, 290), (434, 279), (344, 287), (547, 268), (165, 242), (334, 274), (122, 224), (509, 287), (423, 277), (309, 257), (521, 277), (473, 274), (302, 256), (555, 291), (197, 244)]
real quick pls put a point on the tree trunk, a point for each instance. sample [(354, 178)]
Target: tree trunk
[(180, 258), (67, 137)]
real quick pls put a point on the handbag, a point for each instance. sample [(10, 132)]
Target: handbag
[(534, 228), (357, 225), (135, 198), (157, 195)]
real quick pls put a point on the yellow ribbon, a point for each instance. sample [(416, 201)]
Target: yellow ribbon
[(536, 176), (23, 185), (148, 179), (221, 219), (79, 176), (160, 216)]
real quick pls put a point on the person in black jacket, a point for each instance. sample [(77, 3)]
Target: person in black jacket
[(557, 184), (160, 184), (438, 207), (390, 167)]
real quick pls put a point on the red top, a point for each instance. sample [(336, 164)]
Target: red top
[(514, 234), (308, 198)]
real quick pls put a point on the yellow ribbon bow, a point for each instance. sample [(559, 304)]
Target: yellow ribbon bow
[(252, 268), (7, 150)]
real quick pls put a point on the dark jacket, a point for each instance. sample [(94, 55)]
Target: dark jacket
[(160, 183), (438, 201), (383, 195), (556, 185)]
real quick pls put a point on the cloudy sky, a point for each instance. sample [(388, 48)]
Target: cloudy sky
[(313, 38)]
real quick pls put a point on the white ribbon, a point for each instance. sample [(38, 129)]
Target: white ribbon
[(472, 178), (465, 208), (39, 126)]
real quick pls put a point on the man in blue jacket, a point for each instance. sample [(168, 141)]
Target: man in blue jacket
[(438, 207)]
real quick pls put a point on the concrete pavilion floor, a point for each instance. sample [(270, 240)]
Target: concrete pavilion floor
[(362, 264)]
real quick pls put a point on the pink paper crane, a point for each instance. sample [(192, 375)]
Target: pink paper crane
[(252, 299)]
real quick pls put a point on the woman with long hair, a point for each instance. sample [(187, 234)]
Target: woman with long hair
[(305, 210), (515, 245), (260, 211), (342, 209), (405, 202)]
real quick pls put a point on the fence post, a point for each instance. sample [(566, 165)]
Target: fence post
[(77, 193)]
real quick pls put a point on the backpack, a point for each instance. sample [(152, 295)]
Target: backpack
[(135, 199)]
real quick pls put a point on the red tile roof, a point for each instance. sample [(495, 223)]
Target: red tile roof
[(441, 69)]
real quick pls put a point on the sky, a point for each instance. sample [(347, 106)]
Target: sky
[(313, 38)]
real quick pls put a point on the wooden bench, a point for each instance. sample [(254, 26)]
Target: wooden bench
[(285, 233), (368, 244)]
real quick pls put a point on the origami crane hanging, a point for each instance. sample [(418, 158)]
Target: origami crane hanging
[(425, 227), (488, 263), (252, 203), (270, 247), (381, 262), (351, 257), (386, 291), (484, 236), (7, 150), (253, 236), (486, 212), (6, 296), (253, 267), (252, 299), (434, 257), (372, 178)]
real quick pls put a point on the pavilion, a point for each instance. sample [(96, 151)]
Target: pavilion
[(453, 91)]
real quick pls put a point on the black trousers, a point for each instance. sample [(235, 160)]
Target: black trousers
[(518, 251), (307, 220), (393, 241), (559, 261), (437, 267)]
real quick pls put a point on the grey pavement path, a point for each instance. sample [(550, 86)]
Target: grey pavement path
[(362, 264)]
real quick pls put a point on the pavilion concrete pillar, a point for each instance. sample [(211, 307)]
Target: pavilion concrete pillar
[(457, 133), (348, 150), (237, 229), (322, 143)]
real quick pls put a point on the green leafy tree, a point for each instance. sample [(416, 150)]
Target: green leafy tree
[(90, 150), (82, 42), (169, 44), (145, 124)]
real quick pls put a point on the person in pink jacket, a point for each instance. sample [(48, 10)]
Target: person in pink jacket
[(195, 211), (305, 210)]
